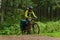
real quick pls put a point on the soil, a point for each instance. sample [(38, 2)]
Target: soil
[(28, 37)]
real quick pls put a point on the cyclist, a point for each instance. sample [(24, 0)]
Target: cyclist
[(29, 14)]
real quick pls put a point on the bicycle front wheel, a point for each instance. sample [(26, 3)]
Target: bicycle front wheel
[(36, 28)]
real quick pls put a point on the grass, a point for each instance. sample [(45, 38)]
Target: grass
[(51, 28), (55, 34)]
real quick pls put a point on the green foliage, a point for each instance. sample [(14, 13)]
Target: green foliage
[(50, 27), (10, 30)]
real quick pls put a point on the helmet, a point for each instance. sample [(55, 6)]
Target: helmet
[(29, 7)]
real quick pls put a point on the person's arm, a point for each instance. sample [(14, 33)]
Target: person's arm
[(26, 13), (34, 14)]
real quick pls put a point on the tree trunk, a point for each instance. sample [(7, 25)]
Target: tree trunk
[(1, 17)]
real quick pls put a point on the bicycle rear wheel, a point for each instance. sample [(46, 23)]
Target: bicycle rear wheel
[(36, 28)]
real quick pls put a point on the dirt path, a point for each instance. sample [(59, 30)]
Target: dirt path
[(28, 37)]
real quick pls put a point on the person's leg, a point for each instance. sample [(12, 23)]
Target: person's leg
[(28, 26)]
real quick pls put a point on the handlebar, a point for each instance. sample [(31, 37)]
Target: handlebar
[(34, 18)]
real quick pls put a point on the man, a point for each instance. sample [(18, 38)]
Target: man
[(29, 14)]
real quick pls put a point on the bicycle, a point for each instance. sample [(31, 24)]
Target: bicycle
[(33, 27)]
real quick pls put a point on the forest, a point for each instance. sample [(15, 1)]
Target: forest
[(11, 12)]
